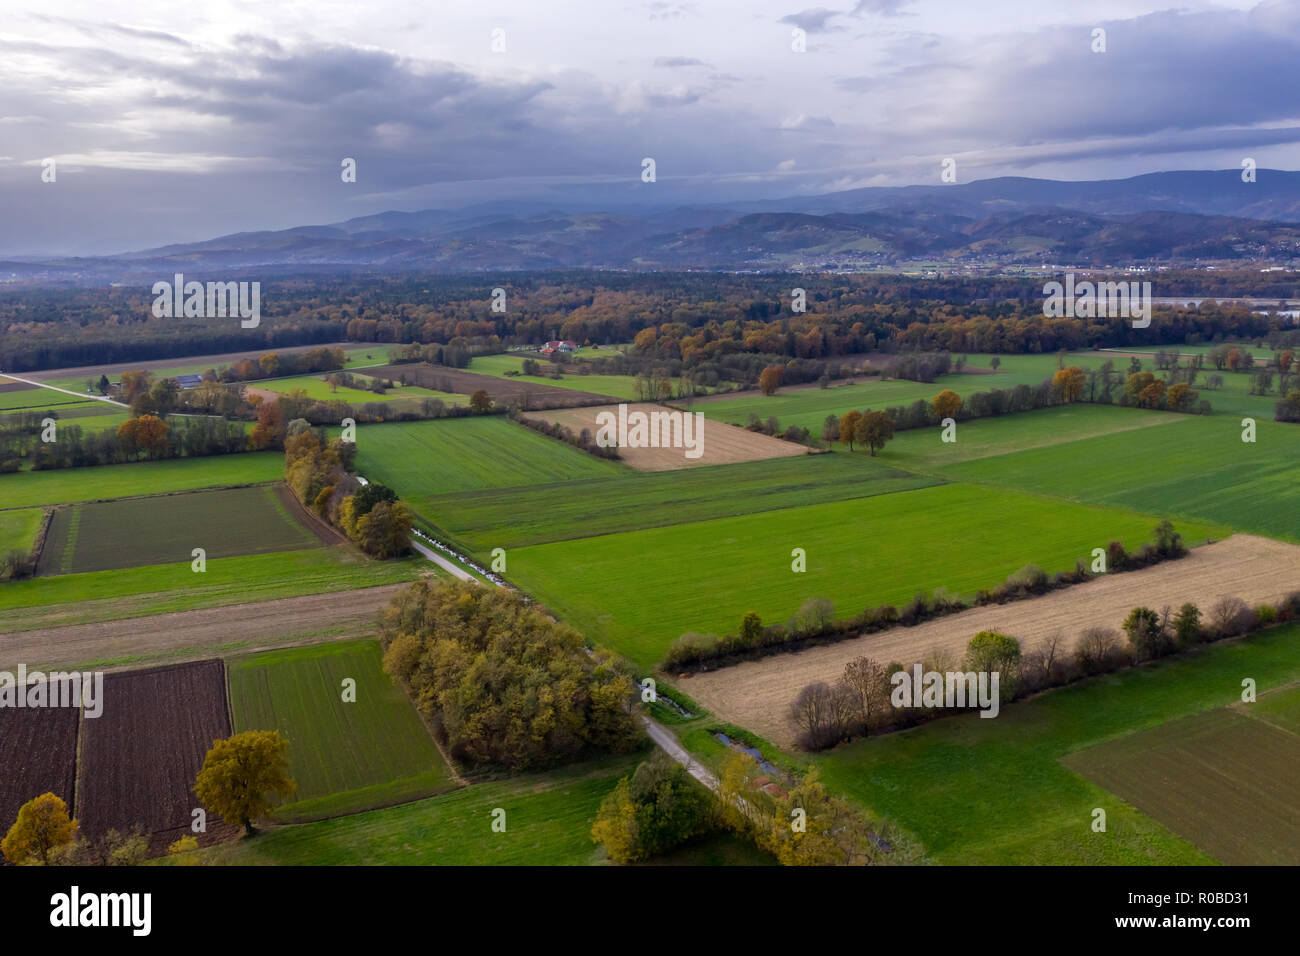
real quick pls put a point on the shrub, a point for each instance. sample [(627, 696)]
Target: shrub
[(1265, 615), (1098, 651), (691, 648), (1187, 625), (1030, 579), (1229, 617)]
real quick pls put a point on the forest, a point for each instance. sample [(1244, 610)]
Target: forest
[(687, 317)]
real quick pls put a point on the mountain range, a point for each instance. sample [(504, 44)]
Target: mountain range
[(1181, 217)]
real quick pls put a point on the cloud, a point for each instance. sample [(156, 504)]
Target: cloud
[(814, 19), (678, 61)]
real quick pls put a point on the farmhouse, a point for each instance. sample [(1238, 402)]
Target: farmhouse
[(187, 382), (559, 346)]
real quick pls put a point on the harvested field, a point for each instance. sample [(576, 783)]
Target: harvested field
[(501, 390), (38, 754), (1221, 780), (719, 443), (134, 532), (140, 757), (334, 614), (757, 694)]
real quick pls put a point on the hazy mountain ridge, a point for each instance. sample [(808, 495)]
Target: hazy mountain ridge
[(1174, 216)]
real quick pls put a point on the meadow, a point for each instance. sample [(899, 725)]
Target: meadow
[(1192, 468), (59, 486), (358, 356), (130, 532), (517, 517), (343, 756), (923, 449), (808, 407), (980, 791), (18, 527), (638, 591), (548, 823), (316, 387), (422, 459), (97, 596), (28, 399), (618, 386)]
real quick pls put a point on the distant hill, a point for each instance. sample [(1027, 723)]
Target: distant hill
[(1175, 217)]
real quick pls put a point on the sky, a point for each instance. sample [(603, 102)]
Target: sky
[(172, 122)]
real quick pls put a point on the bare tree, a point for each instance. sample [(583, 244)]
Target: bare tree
[(868, 681)]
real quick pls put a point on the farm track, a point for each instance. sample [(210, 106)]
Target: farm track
[(197, 633), (757, 694)]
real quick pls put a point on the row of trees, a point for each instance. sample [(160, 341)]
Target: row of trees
[(143, 437), (860, 703), (501, 681), (318, 473), (815, 621)]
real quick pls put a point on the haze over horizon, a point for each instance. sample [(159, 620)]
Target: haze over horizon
[(236, 118)]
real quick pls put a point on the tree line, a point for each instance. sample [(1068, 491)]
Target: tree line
[(815, 621), (861, 701)]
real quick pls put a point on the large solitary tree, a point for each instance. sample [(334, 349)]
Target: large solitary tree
[(874, 429), (243, 775)]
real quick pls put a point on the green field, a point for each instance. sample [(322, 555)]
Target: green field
[(343, 756), (924, 450), (978, 791), (1232, 399), (618, 386), (113, 595), (548, 823), (130, 532), (1221, 780), (1193, 468), (358, 356), (516, 517), (808, 407), (34, 398), (316, 387), (422, 459), (638, 591), (58, 486), (18, 527)]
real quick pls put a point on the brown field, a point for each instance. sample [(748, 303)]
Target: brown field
[(757, 694), (1221, 780), (38, 754), (9, 385), (140, 757), (183, 635), (501, 390), (721, 444)]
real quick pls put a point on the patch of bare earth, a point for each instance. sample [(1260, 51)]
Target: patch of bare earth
[(757, 695), (201, 633), (719, 443)]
